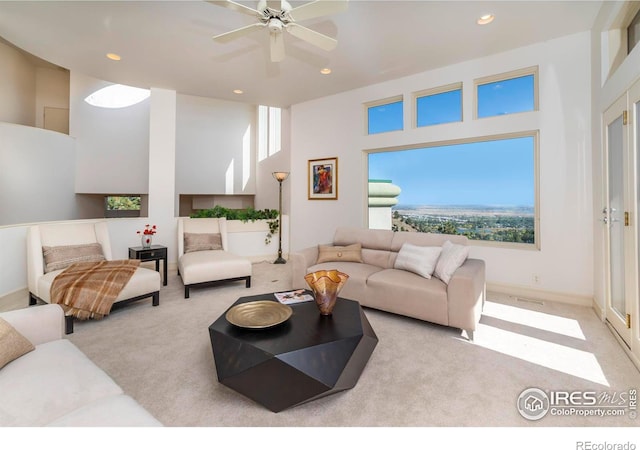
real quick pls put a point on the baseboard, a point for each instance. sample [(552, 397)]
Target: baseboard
[(598, 310), (540, 294), (15, 300)]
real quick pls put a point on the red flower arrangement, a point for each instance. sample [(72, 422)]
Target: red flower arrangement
[(148, 229)]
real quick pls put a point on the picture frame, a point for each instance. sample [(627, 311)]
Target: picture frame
[(323, 179)]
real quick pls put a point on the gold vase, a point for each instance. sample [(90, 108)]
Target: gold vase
[(326, 285)]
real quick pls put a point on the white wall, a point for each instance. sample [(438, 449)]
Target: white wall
[(215, 146), (162, 157), (52, 90), (37, 170), (333, 126), (112, 144), (17, 87)]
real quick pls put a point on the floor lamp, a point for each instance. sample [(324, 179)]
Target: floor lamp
[(280, 176)]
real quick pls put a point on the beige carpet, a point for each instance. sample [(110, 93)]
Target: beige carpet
[(420, 374)]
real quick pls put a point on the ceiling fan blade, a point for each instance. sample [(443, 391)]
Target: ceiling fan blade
[(236, 7), (317, 9), (312, 37), (235, 34), (277, 47)]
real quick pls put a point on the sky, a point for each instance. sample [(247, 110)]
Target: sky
[(494, 173)]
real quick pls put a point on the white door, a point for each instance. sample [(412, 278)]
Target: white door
[(634, 142), (620, 288)]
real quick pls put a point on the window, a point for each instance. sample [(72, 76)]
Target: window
[(269, 131), (439, 105), (385, 115), (633, 32), (122, 206), (509, 93), (117, 96), (484, 188)]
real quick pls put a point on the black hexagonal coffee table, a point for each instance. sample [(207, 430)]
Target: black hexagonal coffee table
[(307, 357)]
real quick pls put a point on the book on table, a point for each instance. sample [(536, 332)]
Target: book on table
[(291, 297)]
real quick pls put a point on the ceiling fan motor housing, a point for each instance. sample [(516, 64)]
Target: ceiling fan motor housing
[(275, 25)]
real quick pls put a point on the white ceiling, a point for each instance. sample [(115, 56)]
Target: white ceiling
[(167, 44)]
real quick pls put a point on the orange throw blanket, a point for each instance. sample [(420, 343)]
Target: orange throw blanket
[(87, 290)]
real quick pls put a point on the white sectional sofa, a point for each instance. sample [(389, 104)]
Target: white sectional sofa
[(56, 384), (376, 282)]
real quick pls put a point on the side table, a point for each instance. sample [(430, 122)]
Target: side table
[(155, 253)]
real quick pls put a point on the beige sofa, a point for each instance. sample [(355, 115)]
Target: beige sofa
[(56, 384), (144, 283), (375, 282)]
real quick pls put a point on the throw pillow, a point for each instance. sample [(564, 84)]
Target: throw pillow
[(197, 242), (452, 257), (61, 257), (12, 344), (416, 259), (346, 253)]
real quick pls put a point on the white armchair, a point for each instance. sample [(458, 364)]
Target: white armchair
[(143, 284), (203, 255)]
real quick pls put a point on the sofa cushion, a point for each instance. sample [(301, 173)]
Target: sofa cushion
[(416, 259), (452, 257), (12, 344), (408, 294), (197, 242), (113, 411), (346, 253), (62, 256), (50, 382), (212, 265)]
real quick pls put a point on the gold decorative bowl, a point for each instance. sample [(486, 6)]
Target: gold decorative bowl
[(258, 314)]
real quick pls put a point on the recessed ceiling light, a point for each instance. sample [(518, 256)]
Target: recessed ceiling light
[(487, 18), (325, 71), (114, 56), (238, 91)]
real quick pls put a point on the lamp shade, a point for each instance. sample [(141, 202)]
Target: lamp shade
[(280, 176)]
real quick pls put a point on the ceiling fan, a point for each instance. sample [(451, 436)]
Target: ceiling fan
[(285, 18)]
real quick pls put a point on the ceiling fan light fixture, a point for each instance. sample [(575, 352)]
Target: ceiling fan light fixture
[(238, 91), (114, 56), (325, 71), (485, 19)]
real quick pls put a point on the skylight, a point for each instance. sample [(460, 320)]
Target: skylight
[(117, 96)]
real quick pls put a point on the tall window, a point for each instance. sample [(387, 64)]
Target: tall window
[(439, 105), (385, 115), (269, 131), (508, 93), (484, 189)]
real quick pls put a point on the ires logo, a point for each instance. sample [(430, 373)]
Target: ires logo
[(575, 398), (534, 403)]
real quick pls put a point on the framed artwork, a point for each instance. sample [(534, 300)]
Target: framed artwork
[(323, 179)]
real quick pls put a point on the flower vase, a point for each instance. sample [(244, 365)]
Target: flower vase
[(326, 285), (146, 240)]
